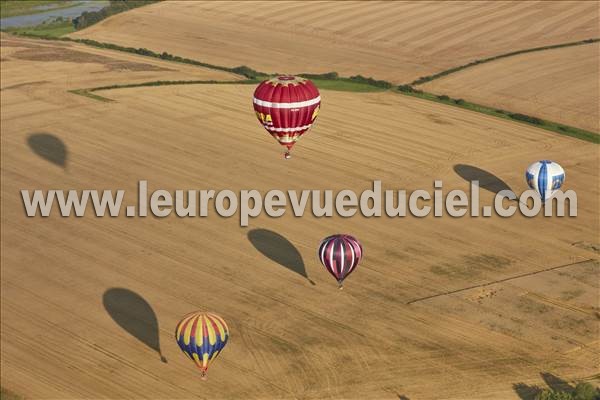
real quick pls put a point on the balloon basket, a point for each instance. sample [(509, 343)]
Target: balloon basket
[(203, 375), (287, 155), (340, 286)]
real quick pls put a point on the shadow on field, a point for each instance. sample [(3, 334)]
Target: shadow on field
[(556, 383), (486, 180), (279, 249), (132, 313), (526, 392), (529, 392), (49, 147)]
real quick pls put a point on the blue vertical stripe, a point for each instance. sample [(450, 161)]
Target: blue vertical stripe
[(205, 344), (543, 180), (193, 346)]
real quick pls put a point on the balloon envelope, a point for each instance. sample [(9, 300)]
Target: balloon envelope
[(202, 336), (287, 106), (545, 177), (340, 254)]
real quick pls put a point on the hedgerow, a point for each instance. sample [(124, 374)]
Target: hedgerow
[(88, 18), (429, 78)]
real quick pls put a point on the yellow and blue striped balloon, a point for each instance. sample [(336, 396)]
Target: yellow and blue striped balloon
[(202, 336)]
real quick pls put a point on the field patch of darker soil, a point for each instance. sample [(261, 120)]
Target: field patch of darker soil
[(55, 53)]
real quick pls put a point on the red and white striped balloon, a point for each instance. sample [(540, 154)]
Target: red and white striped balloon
[(340, 254), (287, 106)]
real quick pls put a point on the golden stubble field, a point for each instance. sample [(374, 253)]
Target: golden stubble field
[(73, 324), (69, 66), (395, 41), (560, 85)]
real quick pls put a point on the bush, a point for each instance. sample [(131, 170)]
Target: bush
[(422, 79), (526, 118), (459, 101), (371, 81), (88, 18), (549, 394), (409, 89), (443, 97), (326, 76), (406, 89), (246, 71), (583, 391), (586, 391)]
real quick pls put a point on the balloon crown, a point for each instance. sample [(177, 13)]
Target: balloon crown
[(285, 80)]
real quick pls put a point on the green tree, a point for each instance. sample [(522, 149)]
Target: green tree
[(586, 391), (549, 394)]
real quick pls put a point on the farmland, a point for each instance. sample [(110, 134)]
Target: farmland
[(453, 308), (522, 83), (395, 41)]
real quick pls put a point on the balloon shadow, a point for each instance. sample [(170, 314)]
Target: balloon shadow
[(526, 392), (486, 180), (132, 313), (49, 147), (556, 383), (279, 249)]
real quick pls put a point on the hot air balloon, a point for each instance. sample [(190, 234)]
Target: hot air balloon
[(287, 106), (202, 337), (340, 254), (545, 177)]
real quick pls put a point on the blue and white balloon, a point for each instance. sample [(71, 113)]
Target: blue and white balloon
[(545, 177)]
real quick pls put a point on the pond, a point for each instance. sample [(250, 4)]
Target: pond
[(35, 19)]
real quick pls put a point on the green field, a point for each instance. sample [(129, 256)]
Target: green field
[(345, 85), (12, 8), (51, 29)]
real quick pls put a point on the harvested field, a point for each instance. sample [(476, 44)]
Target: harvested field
[(395, 41), (560, 85), (62, 54), (290, 338), (71, 66)]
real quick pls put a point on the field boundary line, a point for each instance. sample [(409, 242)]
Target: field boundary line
[(510, 278), (335, 82), (429, 78), (561, 129), (88, 92)]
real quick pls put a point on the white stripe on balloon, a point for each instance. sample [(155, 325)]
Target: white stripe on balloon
[(299, 128), (297, 104)]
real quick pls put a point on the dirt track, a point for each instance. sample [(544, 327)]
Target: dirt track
[(559, 85), (65, 335)]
